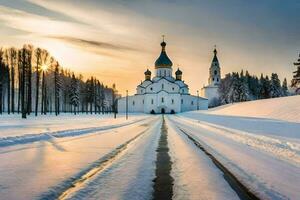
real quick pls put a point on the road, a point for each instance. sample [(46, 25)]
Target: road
[(158, 157)]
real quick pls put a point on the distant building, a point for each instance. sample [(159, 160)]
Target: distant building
[(163, 93), (211, 90)]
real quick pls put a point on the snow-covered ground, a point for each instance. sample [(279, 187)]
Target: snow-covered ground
[(98, 157), (45, 168), (195, 176), (14, 125), (283, 108), (263, 152)]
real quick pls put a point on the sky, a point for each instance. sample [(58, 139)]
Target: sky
[(117, 40)]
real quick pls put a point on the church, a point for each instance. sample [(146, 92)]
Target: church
[(163, 93)]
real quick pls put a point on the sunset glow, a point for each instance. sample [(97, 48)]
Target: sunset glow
[(117, 41)]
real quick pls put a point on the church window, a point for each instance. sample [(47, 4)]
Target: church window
[(215, 72), (151, 101), (217, 79), (173, 88), (162, 99), (133, 103), (172, 101), (182, 90), (192, 103), (165, 73), (181, 101), (162, 86)]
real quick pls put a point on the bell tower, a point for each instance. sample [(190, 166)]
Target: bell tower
[(214, 71)]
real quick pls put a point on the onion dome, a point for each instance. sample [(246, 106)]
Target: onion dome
[(163, 61), (178, 72), (148, 72)]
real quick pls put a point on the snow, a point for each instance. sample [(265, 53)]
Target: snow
[(259, 142), (195, 175), (260, 147), (130, 177), (41, 168), (13, 125), (283, 108), (60, 130)]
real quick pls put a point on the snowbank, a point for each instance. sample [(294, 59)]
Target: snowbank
[(284, 108)]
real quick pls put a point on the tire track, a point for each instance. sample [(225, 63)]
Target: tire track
[(73, 184), (30, 138), (241, 190)]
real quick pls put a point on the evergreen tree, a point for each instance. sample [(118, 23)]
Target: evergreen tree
[(275, 86), (74, 93), (265, 87), (224, 89), (285, 91), (296, 77)]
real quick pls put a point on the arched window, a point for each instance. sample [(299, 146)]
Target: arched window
[(215, 72), (151, 88), (143, 101), (162, 99), (165, 73), (133, 103), (181, 101), (173, 88), (151, 101), (213, 79), (192, 103), (217, 79), (172, 101), (162, 86)]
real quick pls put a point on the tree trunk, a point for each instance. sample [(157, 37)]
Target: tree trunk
[(29, 88), (43, 93), (12, 89), (37, 86), (23, 86), (8, 90)]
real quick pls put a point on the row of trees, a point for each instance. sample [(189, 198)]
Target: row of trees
[(32, 81), (238, 87)]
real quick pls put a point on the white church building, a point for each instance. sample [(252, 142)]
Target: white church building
[(163, 93)]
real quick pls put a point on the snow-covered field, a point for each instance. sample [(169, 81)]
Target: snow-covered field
[(283, 108), (98, 157), (259, 141)]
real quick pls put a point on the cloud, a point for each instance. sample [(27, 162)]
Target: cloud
[(92, 43)]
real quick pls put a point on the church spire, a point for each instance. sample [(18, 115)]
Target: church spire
[(215, 59)]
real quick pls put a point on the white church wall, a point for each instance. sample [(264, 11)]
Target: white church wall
[(162, 100), (189, 103), (210, 92)]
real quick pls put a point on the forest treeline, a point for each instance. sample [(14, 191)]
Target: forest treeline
[(33, 82), (239, 87)]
